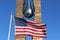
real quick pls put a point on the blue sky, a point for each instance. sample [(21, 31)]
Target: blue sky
[(50, 16)]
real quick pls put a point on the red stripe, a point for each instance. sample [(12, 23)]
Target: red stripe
[(38, 26), (32, 27), (31, 35), (40, 30), (32, 22)]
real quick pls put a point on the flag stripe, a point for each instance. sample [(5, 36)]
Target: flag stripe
[(31, 22), (37, 26), (29, 29), (41, 36), (27, 33), (39, 33), (31, 32)]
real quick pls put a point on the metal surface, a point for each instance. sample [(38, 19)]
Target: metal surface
[(28, 8)]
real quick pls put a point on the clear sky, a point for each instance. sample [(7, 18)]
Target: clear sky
[(50, 15)]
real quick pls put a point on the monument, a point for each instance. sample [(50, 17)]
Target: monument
[(24, 9)]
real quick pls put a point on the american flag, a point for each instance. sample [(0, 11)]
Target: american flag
[(29, 28)]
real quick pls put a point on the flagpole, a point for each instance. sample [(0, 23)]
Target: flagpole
[(9, 27)]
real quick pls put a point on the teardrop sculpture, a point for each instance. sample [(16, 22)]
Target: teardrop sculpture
[(27, 9), (28, 13)]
